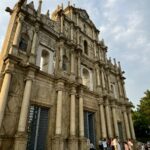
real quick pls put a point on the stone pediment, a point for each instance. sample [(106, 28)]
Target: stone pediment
[(85, 16)]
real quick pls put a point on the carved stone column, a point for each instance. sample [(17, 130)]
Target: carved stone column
[(60, 86), (72, 142), (58, 141), (103, 79), (79, 67), (62, 24), (77, 19), (82, 141), (131, 125), (102, 117), (108, 78), (98, 79), (71, 32), (61, 55), (95, 51), (78, 37), (115, 120), (5, 89), (72, 65), (72, 112), (126, 124), (21, 136), (108, 118), (81, 117), (34, 44), (14, 49)]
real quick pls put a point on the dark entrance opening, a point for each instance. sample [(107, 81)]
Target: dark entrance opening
[(89, 126), (37, 128)]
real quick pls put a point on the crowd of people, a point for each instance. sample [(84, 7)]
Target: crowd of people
[(113, 144)]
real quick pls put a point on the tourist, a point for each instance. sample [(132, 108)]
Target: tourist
[(92, 146), (104, 142), (130, 144), (100, 143), (126, 147)]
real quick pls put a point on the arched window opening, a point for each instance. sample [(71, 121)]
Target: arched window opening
[(85, 47), (86, 77), (44, 61), (23, 43), (112, 88), (65, 63)]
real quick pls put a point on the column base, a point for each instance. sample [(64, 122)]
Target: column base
[(79, 79), (32, 58), (72, 143), (13, 50), (20, 141), (99, 89), (83, 144), (72, 77), (57, 143)]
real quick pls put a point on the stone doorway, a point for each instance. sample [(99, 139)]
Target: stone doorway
[(37, 128), (89, 127)]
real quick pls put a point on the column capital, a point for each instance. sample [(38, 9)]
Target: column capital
[(9, 67), (21, 17), (60, 86), (100, 101), (73, 90), (37, 27)]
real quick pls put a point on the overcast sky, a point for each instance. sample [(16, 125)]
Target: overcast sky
[(125, 27)]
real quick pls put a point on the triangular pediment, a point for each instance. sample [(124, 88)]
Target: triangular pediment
[(85, 16)]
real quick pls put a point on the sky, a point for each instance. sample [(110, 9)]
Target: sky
[(125, 27)]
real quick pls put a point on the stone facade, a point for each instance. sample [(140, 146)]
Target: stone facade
[(57, 68)]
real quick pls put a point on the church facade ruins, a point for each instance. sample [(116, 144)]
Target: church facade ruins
[(58, 89)]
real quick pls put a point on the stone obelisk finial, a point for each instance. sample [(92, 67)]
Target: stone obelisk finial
[(39, 8)]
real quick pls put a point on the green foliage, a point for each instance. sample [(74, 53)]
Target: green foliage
[(141, 118)]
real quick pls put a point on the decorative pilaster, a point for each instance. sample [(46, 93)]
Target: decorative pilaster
[(131, 125), (58, 129), (33, 49), (61, 55), (5, 89), (14, 49), (77, 19), (72, 112), (81, 116), (126, 124), (71, 32), (103, 122), (95, 52), (21, 138), (103, 79), (72, 65), (78, 37), (62, 24), (79, 67), (108, 118), (108, 78), (115, 120), (72, 142)]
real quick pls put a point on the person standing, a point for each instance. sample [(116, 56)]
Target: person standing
[(130, 144), (100, 143), (104, 142), (126, 147)]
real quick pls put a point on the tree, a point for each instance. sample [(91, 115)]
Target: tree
[(141, 118)]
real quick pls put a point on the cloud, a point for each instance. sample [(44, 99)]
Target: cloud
[(124, 25)]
